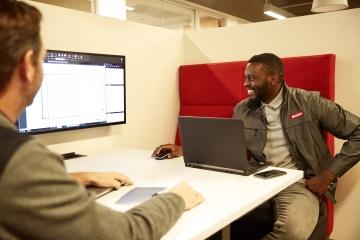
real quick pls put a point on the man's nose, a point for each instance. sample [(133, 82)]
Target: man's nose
[(246, 83)]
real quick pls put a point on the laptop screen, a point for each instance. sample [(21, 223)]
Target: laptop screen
[(215, 143)]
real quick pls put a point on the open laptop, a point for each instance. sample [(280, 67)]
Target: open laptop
[(216, 144)]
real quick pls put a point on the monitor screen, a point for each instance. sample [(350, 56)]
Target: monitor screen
[(79, 90)]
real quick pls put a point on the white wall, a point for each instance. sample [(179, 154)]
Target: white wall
[(338, 33), (152, 59)]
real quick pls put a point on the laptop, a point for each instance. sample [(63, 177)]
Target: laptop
[(216, 144)]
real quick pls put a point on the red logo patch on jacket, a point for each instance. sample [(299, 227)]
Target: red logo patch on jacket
[(296, 115)]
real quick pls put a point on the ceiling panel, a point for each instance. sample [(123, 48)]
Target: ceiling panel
[(252, 10)]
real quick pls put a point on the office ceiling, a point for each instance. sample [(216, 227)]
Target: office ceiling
[(162, 13), (252, 10)]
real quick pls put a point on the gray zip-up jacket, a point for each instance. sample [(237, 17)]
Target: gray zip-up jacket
[(305, 115), (38, 200)]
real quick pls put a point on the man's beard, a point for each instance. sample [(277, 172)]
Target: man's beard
[(256, 97)]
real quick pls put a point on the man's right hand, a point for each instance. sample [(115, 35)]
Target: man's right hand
[(173, 150), (102, 179), (191, 197)]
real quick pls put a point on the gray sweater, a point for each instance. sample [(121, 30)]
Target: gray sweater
[(38, 200)]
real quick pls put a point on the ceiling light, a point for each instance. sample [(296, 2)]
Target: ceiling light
[(276, 12), (320, 6), (111, 8)]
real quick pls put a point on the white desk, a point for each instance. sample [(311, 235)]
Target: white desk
[(228, 196)]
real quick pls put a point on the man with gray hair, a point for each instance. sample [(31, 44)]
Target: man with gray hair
[(39, 200)]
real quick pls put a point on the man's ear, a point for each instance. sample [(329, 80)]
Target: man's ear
[(27, 67), (275, 79)]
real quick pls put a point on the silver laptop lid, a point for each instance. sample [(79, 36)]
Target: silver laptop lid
[(215, 143)]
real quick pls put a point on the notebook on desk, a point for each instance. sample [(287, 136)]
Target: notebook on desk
[(216, 144)]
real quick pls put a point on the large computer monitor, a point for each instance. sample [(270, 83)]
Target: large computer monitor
[(79, 90)]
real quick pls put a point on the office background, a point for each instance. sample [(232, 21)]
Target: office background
[(154, 54)]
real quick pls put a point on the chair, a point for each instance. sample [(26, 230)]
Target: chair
[(213, 89)]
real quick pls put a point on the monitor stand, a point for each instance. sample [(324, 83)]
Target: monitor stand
[(71, 155)]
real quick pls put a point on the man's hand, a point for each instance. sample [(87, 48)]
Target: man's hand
[(173, 150), (319, 183), (191, 197), (102, 179)]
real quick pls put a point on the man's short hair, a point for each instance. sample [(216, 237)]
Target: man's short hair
[(272, 62), (19, 32)]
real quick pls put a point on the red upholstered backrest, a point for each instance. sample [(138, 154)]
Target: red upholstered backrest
[(213, 89)]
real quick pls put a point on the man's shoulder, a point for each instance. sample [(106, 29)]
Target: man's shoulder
[(35, 149), (16, 148), (303, 92), (241, 108), (242, 103), (11, 141)]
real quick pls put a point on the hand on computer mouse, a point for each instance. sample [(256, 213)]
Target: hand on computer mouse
[(167, 151), (163, 155)]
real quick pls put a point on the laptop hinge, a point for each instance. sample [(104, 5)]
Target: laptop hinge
[(222, 169)]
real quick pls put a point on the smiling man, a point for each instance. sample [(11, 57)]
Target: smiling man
[(284, 127)]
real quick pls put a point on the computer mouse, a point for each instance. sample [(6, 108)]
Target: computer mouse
[(164, 154)]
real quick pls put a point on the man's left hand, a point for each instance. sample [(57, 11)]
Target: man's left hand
[(319, 183)]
